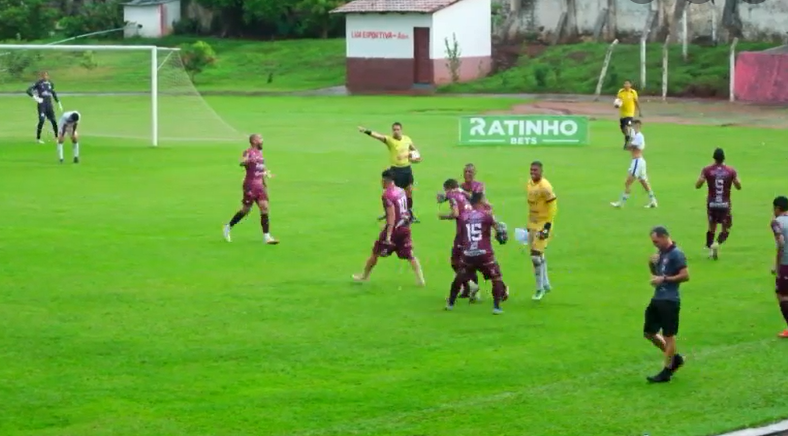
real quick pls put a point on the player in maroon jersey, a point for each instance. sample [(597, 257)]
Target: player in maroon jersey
[(471, 185), (718, 177), (477, 252), (254, 189), (395, 236), (459, 203)]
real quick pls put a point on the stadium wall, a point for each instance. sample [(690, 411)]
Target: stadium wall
[(767, 20), (762, 77)]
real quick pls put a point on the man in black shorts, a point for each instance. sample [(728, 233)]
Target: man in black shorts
[(668, 270)]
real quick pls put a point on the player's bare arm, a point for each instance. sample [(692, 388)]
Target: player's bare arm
[(652, 264), (700, 182), (371, 133), (737, 183), (779, 240), (390, 216), (455, 212), (637, 106)]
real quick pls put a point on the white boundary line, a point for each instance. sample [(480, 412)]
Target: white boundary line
[(761, 431), (390, 423)]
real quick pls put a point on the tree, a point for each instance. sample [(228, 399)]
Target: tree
[(316, 14), (26, 19)]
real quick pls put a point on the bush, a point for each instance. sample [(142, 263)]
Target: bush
[(26, 19), (197, 57), (18, 63), (94, 17)]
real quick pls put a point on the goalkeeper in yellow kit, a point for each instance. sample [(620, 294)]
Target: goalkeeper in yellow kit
[(542, 208)]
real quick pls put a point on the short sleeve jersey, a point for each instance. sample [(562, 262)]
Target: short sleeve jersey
[(628, 99), (539, 194), (255, 168), (719, 179), (779, 227), (638, 141), (476, 233), (399, 150), (670, 262), (396, 197)]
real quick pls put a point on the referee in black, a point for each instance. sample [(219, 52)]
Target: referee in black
[(668, 270), (43, 92)]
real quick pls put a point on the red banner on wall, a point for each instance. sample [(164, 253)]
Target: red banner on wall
[(761, 77), (377, 34)]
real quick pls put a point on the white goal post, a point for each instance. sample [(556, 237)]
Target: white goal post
[(110, 81), (154, 70)]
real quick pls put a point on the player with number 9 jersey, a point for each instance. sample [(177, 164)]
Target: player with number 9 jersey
[(718, 178), (395, 236)]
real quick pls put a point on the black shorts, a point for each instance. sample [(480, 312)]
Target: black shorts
[(625, 122), (403, 176), (662, 315), (46, 110)]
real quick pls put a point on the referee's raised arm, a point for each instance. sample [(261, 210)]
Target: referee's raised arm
[(371, 133)]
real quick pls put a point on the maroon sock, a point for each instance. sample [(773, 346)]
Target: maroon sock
[(498, 291), (723, 237), (264, 222), (454, 291), (709, 239), (784, 310), (236, 218)]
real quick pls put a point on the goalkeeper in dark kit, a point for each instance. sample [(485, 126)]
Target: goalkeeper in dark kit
[(43, 92)]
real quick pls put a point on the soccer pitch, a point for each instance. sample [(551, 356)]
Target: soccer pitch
[(123, 311)]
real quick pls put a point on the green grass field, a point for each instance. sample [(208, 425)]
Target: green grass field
[(123, 312)]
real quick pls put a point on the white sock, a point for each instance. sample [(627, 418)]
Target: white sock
[(624, 197), (267, 236), (60, 150), (651, 196), (545, 280), (537, 261), (75, 148)]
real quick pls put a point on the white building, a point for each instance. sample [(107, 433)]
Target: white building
[(151, 18), (393, 45)]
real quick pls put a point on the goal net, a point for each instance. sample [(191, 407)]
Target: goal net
[(131, 92)]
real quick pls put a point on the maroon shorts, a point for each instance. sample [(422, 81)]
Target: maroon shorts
[(486, 265), (781, 282), (720, 216), (254, 194), (400, 244)]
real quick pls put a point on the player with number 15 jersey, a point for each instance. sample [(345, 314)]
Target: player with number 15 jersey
[(395, 236)]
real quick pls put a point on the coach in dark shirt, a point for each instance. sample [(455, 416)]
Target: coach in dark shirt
[(43, 92), (668, 271)]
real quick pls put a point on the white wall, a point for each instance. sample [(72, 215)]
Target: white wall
[(147, 16), (769, 18), (173, 14), (467, 21), (383, 35)]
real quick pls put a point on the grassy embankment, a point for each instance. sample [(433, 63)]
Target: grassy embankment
[(261, 66), (575, 68)]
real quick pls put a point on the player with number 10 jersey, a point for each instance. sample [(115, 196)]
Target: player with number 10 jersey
[(395, 236), (718, 178)]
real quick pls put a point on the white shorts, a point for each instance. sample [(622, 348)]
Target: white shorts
[(638, 169), (67, 128)]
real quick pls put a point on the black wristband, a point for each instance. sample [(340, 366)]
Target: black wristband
[(547, 226), (368, 132)]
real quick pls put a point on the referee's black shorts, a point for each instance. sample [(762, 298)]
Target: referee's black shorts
[(662, 315), (625, 122), (403, 176)]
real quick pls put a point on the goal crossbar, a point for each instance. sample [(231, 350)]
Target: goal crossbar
[(85, 47), (154, 69)]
